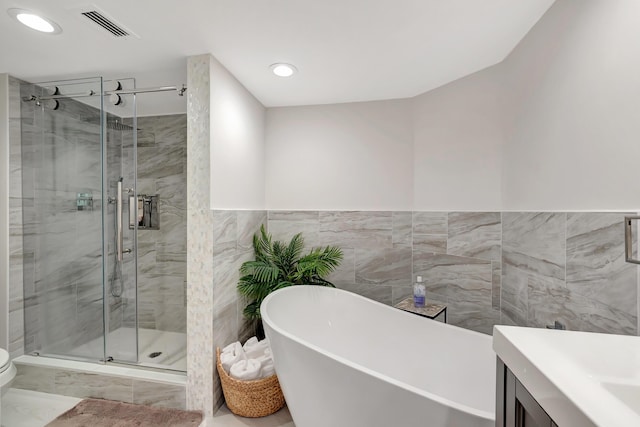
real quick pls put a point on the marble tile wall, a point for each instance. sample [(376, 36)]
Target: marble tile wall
[(488, 267), (83, 385), (232, 245), (568, 267)]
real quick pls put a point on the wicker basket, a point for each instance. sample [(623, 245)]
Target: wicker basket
[(253, 399)]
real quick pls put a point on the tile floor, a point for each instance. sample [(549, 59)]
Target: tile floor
[(224, 418), (24, 408)]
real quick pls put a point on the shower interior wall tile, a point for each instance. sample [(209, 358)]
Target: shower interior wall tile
[(116, 314), (16, 249), (162, 254), (171, 317), (61, 282)]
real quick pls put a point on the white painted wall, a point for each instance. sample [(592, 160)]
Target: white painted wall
[(4, 211), (438, 151), (237, 144), (575, 104), (356, 156), (556, 126), (458, 144)]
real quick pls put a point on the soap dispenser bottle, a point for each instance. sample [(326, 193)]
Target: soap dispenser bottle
[(419, 292)]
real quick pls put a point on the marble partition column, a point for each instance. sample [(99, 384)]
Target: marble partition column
[(200, 350)]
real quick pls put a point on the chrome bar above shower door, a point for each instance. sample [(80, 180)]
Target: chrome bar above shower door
[(91, 93)]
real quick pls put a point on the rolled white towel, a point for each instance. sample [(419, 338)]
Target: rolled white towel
[(246, 370), (250, 343), (265, 357), (230, 347), (232, 356), (267, 369), (254, 348)]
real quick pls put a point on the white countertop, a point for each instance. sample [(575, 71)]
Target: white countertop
[(581, 379)]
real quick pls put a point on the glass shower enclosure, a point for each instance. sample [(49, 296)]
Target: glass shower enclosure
[(79, 172)]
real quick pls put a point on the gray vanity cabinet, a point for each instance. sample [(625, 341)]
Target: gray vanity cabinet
[(515, 407)]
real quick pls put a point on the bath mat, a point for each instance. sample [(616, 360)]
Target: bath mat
[(107, 413)]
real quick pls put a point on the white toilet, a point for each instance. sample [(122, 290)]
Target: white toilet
[(7, 372)]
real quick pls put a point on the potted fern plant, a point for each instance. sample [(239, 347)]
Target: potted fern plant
[(278, 265)]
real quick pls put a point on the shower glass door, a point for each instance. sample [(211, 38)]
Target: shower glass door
[(67, 139), (120, 238)]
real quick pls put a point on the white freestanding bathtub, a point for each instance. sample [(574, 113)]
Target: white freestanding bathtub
[(347, 361)]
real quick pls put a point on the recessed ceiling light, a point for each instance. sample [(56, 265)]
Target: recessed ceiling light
[(283, 70), (35, 21)]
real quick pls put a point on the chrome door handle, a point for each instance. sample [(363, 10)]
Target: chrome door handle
[(628, 239), (119, 221)]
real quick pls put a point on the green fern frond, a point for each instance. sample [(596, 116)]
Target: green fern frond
[(278, 265), (252, 311), (294, 250)]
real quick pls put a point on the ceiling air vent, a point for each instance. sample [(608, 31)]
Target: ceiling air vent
[(105, 23), (91, 14)]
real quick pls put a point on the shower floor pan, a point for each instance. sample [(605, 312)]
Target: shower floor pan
[(156, 349)]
